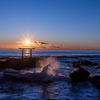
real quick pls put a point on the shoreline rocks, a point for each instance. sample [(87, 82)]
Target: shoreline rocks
[(95, 80), (78, 63), (19, 64), (79, 75)]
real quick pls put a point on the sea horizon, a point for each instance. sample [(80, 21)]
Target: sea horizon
[(49, 49)]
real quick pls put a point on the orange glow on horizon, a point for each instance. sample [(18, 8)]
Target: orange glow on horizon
[(29, 42)]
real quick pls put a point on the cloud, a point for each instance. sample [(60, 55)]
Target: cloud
[(35, 41), (44, 43), (56, 46), (40, 45)]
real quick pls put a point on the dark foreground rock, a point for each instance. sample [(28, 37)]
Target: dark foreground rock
[(80, 75), (98, 83), (95, 80), (76, 65), (83, 62), (19, 64), (95, 63)]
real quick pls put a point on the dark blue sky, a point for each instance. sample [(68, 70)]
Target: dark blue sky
[(72, 23)]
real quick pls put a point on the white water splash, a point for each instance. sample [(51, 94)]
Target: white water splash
[(52, 63), (45, 73)]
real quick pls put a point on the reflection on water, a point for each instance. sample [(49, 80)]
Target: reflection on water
[(17, 52), (49, 91), (57, 89), (27, 53), (13, 90)]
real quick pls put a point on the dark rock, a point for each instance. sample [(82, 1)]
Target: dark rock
[(84, 62), (76, 65), (98, 83), (80, 75), (95, 64), (75, 57), (94, 79), (19, 64)]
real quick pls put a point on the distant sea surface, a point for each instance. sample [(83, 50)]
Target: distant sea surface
[(39, 52), (49, 82)]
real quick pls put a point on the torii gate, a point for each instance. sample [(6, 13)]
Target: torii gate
[(29, 49)]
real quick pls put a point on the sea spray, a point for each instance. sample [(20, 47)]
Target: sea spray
[(44, 74), (53, 65)]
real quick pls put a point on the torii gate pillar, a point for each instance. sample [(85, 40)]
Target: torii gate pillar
[(27, 48)]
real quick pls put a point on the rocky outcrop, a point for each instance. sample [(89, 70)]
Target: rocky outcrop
[(76, 65), (95, 63), (98, 83), (95, 80), (18, 64), (83, 62), (80, 75)]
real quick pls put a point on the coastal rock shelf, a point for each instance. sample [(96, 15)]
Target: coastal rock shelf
[(95, 80), (80, 75), (78, 63), (18, 64)]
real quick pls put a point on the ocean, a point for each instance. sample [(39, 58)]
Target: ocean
[(38, 52), (51, 81)]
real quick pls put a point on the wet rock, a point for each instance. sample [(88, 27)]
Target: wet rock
[(75, 57), (84, 62), (98, 83), (94, 79), (80, 75), (76, 65), (18, 64), (95, 64)]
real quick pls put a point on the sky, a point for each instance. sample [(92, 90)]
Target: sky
[(50, 24)]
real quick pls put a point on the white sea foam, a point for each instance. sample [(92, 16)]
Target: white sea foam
[(52, 63), (45, 73), (44, 76)]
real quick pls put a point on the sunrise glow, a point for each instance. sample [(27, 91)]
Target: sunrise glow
[(63, 24), (27, 42)]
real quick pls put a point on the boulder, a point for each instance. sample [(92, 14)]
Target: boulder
[(95, 64), (98, 83), (94, 79), (84, 62), (80, 75), (76, 65)]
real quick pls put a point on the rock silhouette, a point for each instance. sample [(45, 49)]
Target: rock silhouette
[(83, 62), (80, 75)]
